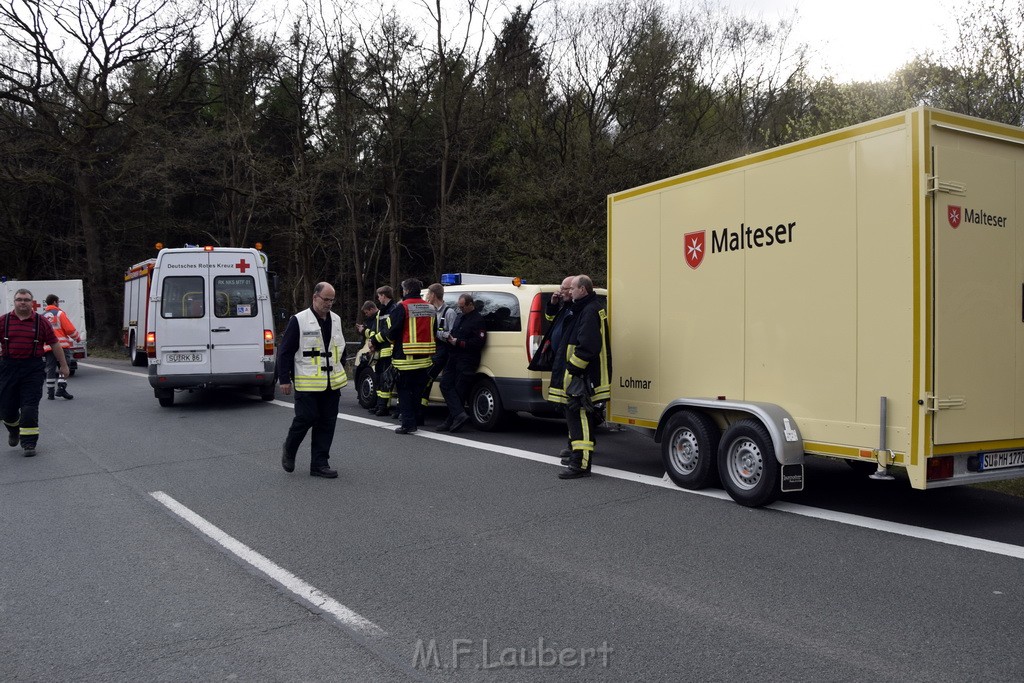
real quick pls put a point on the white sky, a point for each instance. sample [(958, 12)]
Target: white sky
[(863, 40)]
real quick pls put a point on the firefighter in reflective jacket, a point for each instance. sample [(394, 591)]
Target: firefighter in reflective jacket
[(66, 335), (311, 357), (413, 325), (379, 335), (587, 380)]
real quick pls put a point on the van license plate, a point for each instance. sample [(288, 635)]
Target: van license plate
[(184, 358), (995, 461)]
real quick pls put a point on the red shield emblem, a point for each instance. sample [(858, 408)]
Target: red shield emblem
[(693, 248), (953, 213)]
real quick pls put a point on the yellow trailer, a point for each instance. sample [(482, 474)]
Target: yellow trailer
[(856, 295)]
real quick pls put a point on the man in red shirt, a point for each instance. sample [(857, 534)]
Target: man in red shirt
[(25, 335)]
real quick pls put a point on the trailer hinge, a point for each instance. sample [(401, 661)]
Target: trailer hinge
[(947, 186), (934, 404)]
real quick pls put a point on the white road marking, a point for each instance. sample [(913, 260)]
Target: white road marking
[(285, 578), (971, 542), (134, 373), (960, 540)]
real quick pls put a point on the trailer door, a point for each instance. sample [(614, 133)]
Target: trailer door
[(978, 282)]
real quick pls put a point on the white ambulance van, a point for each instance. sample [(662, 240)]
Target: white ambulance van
[(209, 321), (70, 299)]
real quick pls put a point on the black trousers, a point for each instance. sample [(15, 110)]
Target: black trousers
[(384, 393), (52, 381), (456, 381), (316, 410), (410, 389), (21, 388), (582, 433)]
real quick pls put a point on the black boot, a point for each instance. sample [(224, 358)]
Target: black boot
[(49, 393), (62, 391)]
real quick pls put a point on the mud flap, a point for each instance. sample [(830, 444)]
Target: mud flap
[(792, 478)]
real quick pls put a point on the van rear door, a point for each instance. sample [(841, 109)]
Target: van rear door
[(181, 322), (238, 295)]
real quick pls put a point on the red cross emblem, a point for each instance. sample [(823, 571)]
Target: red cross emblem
[(35, 305), (953, 214), (693, 248), (242, 265)]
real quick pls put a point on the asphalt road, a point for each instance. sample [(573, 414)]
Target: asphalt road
[(149, 543)]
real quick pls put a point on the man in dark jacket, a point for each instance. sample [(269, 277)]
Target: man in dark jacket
[(587, 379), (466, 343)]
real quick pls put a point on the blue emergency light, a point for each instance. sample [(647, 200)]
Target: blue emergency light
[(451, 279)]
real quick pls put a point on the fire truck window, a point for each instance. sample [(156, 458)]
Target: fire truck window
[(234, 296), (183, 297)]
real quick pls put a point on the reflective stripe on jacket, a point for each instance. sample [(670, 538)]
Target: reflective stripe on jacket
[(313, 364), (65, 332), (416, 346)]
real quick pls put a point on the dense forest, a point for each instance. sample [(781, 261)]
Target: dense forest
[(362, 147)]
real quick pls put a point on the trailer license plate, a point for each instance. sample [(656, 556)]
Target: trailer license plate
[(995, 461), (184, 358)]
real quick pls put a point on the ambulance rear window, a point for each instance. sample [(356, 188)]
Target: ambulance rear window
[(234, 296), (183, 297)]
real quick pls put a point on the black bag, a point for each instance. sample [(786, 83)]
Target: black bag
[(544, 359)]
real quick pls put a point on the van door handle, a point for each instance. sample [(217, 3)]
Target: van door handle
[(221, 329)]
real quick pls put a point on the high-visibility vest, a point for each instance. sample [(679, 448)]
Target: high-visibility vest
[(314, 364), (62, 327), (418, 343)]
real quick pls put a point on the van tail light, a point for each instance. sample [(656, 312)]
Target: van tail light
[(535, 327), (940, 468), (268, 342), (151, 344)]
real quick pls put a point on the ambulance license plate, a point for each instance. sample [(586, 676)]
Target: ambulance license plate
[(996, 461), (184, 358)]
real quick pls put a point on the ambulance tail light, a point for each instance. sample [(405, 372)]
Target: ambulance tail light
[(151, 344), (268, 342), (534, 327), (940, 468)]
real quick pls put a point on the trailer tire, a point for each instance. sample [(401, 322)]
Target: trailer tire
[(165, 397), (138, 359), (747, 464), (689, 450)]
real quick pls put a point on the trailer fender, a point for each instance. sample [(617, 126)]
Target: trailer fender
[(785, 435)]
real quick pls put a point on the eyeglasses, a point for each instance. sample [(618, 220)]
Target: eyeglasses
[(325, 299), (24, 301)]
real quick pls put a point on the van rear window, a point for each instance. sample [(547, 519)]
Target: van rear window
[(183, 297), (234, 296)]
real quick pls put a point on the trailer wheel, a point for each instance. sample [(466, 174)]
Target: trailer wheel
[(165, 397), (366, 390), (747, 464), (689, 450), (485, 408), (138, 359)]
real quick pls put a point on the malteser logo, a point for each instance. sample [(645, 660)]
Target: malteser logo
[(965, 214), (954, 214), (693, 245)]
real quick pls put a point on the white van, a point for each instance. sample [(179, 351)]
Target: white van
[(209, 321)]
